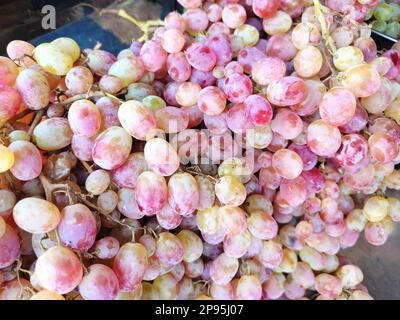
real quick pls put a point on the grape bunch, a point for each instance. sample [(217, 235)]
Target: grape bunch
[(231, 155), (386, 18)]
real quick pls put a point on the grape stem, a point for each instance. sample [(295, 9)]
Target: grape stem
[(35, 122), (324, 27), (145, 27), (86, 166), (195, 170)]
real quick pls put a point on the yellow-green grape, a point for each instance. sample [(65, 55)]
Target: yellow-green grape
[(148, 77), (259, 137), (379, 25), (139, 91), (393, 29), (69, 47), (17, 135), (6, 158), (53, 134), (125, 53), (347, 57), (392, 181), (376, 209), (350, 276), (230, 191), (288, 263), (132, 295), (192, 244), (166, 286), (47, 295), (257, 202), (383, 12), (237, 44), (331, 263), (128, 69), (356, 220), (394, 208), (279, 23), (154, 102), (52, 59), (235, 167), (249, 35), (315, 259), (208, 220)]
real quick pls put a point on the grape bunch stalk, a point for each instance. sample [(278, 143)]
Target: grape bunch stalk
[(232, 152)]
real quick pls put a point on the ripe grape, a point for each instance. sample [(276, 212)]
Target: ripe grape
[(100, 283), (151, 192)]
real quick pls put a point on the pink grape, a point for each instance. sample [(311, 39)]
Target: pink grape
[(196, 116), (108, 108), (79, 80), (84, 118), (183, 193), (354, 149), (10, 101), (287, 91), (82, 147), (201, 57), (10, 247), (293, 192), (287, 124), (8, 71), (172, 119), (262, 225), (34, 89), (383, 147), (174, 20), (27, 160), (216, 123), (196, 20), (100, 283), (111, 148), (168, 218), (271, 254), (281, 46), (77, 228), (258, 109), (316, 90), (287, 163), (309, 158), (106, 248), (130, 266), (153, 56), (178, 67), (214, 12), (170, 250), (127, 204), (110, 84), (217, 28), (161, 157), (265, 8), (100, 61), (237, 119), (315, 180), (234, 15), (202, 78), (249, 288), (59, 270), (357, 122), (267, 70), (221, 46), (211, 101), (151, 192), (126, 175), (172, 41), (338, 106), (248, 57), (223, 269), (323, 139), (237, 87)]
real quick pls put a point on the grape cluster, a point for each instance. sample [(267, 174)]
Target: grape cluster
[(386, 18), (232, 155)]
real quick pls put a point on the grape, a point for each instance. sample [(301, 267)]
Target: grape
[(266, 8), (368, 47), (206, 193), (151, 192), (338, 106), (248, 288), (108, 108), (267, 70), (346, 57), (230, 191), (172, 119), (235, 167), (201, 57), (52, 134), (178, 67), (79, 80), (130, 265), (211, 101), (174, 20), (363, 80), (383, 12), (53, 59), (187, 94), (383, 147), (192, 244), (110, 84), (328, 285), (10, 101), (376, 209), (97, 182), (7, 159), (279, 23), (168, 218), (126, 175), (237, 119), (106, 248), (237, 87), (248, 33), (322, 138), (34, 89), (16, 289), (247, 58), (287, 91), (234, 15), (236, 246), (287, 163), (307, 33), (183, 193), (208, 220), (59, 270), (100, 283), (232, 220), (128, 70), (378, 102), (287, 124), (8, 72), (354, 149), (170, 249), (161, 157), (139, 91), (221, 47), (190, 144), (166, 286), (219, 28), (18, 49), (281, 46), (69, 47), (84, 118), (47, 295), (377, 233), (223, 269), (196, 20), (111, 148), (262, 226), (77, 228), (308, 62), (9, 244), (271, 254), (100, 62)]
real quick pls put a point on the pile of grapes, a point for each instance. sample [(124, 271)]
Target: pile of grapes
[(386, 18), (232, 155)]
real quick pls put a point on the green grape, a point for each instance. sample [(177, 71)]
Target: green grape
[(369, 15), (396, 11), (393, 29), (154, 103), (138, 91), (379, 26), (383, 12)]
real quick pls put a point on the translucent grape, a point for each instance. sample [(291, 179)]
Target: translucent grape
[(97, 182), (287, 163), (161, 157), (230, 191), (383, 147), (183, 193), (79, 80), (195, 20), (363, 80), (10, 101), (234, 15), (201, 57), (279, 23), (170, 249), (287, 91), (100, 62), (128, 70), (267, 70), (237, 87), (34, 89), (100, 283), (322, 138), (53, 59), (106, 248), (151, 192)]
